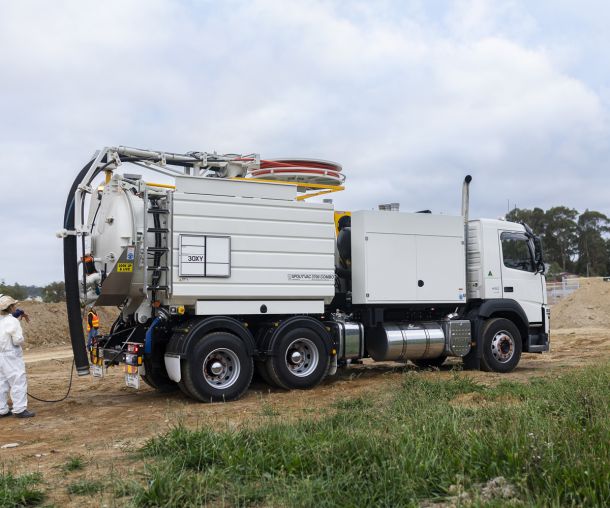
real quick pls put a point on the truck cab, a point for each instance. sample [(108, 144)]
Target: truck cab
[(504, 261)]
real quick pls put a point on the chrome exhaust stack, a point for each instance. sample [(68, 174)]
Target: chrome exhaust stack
[(466, 197), (465, 212)]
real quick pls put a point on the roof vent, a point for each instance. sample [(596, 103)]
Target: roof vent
[(390, 207)]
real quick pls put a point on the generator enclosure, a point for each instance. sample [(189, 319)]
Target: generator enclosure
[(406, 258)]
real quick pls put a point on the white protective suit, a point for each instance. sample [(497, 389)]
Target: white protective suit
[(12, 366)]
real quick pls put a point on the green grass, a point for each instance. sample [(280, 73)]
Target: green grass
[(75, 463), (19, 490), (85, 487), (550, 439)]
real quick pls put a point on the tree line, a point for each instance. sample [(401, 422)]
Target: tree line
[(51, 293), (573, 242)]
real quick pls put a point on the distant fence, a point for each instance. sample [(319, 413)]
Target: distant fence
[(556, 291)]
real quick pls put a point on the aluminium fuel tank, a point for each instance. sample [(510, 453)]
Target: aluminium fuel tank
[(401, 341)]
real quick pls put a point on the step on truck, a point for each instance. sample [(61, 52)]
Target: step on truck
[(230, 271)]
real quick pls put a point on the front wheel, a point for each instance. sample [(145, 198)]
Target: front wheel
[(502, 345), (219, 368)]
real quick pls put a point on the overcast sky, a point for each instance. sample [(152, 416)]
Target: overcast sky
[(409, 96)]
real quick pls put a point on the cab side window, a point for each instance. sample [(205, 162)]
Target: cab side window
[(516, 252)]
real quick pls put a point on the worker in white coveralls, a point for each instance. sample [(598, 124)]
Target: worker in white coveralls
[(12, 366)]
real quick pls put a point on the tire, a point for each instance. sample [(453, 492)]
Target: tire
[(260, 368), (502, 345), (185, 390), (228, 354), (299, 360), (425, 363), (156, 377)]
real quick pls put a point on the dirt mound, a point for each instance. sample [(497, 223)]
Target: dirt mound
[(587, 307), (48, 324)]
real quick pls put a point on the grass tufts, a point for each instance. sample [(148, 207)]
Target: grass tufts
[(84, 486), (546, 443), (75, 463), (18, 491)]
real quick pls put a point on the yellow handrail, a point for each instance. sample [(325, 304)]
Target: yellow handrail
[(162, 185), (325, 189)]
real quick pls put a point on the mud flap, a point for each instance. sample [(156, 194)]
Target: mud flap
[(472, 361), (172, 365)]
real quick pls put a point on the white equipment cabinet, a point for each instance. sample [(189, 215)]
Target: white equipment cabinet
[(402, 258)]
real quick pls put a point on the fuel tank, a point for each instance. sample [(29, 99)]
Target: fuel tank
[(401, 341)]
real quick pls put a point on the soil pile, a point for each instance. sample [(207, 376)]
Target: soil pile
[(587, 307), (48, 324)]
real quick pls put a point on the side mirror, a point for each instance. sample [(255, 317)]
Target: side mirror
[(538, 256)]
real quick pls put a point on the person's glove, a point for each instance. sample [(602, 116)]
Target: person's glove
[(20, 314)]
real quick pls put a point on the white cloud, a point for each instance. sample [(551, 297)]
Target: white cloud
[(407, 99)]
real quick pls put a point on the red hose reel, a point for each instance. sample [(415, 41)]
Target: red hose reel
[(313, 171)]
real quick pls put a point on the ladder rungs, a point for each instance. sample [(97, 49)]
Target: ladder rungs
[(157, 249), (158, 268), (158, 210), (158, 230)]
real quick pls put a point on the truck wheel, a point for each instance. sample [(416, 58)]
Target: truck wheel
[(260, 368), (424, 363), (299, 360), (502, 345), (219, 368), (156, 377)]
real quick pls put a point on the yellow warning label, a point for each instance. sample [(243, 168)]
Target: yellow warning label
[(125, 267)]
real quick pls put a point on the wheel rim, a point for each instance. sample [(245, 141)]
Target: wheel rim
[(221, 368), (503, 346), (301, 357)]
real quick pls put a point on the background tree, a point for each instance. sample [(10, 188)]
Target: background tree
[(535, 219), (592, 246), (561, 236), (17, 291), (54, 292)]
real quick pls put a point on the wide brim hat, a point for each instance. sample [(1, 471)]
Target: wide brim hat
[(6, 301)]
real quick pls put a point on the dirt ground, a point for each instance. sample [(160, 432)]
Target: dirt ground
[(104, 422)]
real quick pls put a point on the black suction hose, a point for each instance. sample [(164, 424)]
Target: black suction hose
[(77, 337)]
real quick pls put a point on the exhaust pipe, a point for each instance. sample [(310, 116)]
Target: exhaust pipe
[(466, 197), (465, 211)]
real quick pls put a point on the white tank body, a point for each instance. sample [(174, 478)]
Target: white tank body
[(118, 218), (116, 221)]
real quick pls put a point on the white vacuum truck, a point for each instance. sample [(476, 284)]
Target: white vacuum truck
[(229, 270)]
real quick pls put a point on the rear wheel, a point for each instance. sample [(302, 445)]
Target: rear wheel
[(260, 368), (299, 359), (424, 363), (502, 345), (219, 368), (156, 377)]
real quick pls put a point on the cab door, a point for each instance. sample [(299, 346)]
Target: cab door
[(521, 281)]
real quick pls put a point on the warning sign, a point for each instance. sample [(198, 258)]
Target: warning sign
[(124, 267)]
